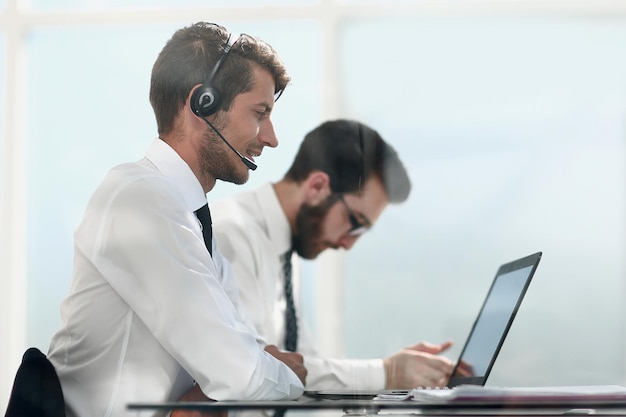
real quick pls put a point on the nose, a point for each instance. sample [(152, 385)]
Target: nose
[(347, 241), (267, 135)]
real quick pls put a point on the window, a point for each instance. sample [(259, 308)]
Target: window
[(2, 101), (2, 140), (510, 121), (108, 5), (95, 90), (513, 131)]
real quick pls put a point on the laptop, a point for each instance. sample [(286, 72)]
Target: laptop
[(486, 337)]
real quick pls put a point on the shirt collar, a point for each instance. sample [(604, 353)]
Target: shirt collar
[(170, 164), (277, 225)]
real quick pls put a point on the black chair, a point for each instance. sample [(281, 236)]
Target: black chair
[(36, 390)]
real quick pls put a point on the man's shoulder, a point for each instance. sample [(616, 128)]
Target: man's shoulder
[(130, 172), (240, 207), (139, 179), (235, 211), (224, 206)]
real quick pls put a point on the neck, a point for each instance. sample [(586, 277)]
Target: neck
[(188, 153), (291, 197)]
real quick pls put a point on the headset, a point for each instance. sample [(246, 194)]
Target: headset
[(206, 99)]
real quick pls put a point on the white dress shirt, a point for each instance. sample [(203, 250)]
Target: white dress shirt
[(149, 311), (253, 233)]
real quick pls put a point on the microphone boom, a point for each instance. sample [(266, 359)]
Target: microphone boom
[(248, 163)]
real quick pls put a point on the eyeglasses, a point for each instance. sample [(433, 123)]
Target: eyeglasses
[(358, 226)]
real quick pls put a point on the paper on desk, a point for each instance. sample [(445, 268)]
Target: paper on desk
[(479, 392)]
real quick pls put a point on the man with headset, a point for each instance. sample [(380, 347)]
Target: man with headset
[(153, 311), (342, 178)]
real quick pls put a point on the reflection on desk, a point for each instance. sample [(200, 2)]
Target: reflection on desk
[(481, 393), (536, 401)]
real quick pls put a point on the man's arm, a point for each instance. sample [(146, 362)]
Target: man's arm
[(409, 368), (196, 394), (291, 359), (166, 276), (418, 366)]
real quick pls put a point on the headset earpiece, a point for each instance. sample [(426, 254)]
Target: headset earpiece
[(205, 100)]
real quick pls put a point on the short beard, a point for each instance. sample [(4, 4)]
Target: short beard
[(215, 157), (306, 240)]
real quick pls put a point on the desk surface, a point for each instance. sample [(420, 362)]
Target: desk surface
[(514, 405)]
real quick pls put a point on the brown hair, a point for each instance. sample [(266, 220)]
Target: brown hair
[(190, 56)]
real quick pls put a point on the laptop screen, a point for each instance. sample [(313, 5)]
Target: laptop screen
[(493, 321)]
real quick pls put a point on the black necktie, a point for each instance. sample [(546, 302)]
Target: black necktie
[(204, 215), (291, 334)]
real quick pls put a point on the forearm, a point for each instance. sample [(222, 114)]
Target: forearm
[(193, 395), (331, 373)]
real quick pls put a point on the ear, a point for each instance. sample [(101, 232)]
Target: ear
[(190, 103), (317, 187), (191, 113)]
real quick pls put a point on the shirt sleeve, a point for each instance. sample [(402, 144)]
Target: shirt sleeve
[(337, 373), (341, 373), (150, 249)]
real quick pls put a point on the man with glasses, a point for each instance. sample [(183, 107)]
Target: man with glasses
[(342, 178)]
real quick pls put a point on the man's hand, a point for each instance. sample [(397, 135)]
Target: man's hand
[(464, 369), (196, 394), (418, 366), (293, 360)]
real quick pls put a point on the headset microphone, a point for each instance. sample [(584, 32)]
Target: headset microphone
[(251, 165)]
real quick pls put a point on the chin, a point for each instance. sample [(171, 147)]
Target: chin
[(312, 253), (237, 178), (244, 177), (242, 180)]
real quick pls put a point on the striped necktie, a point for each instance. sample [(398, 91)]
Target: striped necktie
[(291, 325)]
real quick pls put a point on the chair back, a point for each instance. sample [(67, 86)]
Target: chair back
[(36, 390)]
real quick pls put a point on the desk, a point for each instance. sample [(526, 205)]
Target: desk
[(607, 405)]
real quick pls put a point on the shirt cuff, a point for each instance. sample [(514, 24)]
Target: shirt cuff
[(354, 374)]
